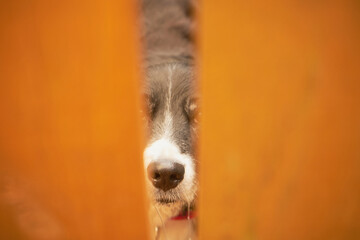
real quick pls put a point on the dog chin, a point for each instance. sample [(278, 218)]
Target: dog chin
[(162, 210)]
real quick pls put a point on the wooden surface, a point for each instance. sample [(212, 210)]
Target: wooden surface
[(70, 149), (280, 140)]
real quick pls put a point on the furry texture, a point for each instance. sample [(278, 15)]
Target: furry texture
[(170, 95)]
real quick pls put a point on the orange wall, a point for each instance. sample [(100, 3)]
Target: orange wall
[(70, 145), (280, 133), (280, 121)]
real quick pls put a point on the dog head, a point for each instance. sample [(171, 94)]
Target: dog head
[(169, 157)]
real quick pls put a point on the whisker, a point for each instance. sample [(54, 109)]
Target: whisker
[(188, 216), (162, 222)]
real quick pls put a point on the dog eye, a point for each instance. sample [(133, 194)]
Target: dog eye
[(150, 105), (191, 109)]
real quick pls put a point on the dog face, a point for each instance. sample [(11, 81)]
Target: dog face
[(169, 157)]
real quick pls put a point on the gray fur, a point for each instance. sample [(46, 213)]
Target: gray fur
[(167, 36), (167, 31)]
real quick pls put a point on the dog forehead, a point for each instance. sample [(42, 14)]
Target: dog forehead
[(175, 76)]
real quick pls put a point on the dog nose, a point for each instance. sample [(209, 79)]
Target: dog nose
[(165, 175)]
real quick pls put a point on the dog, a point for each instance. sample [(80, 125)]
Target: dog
[(170, 94)]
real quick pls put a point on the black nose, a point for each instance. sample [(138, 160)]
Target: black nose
[(165, 174)]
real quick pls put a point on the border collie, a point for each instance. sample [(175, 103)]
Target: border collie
[(170, 94)]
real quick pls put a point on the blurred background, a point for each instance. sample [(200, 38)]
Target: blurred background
[(280, 122)]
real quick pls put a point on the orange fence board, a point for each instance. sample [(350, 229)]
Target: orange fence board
[(280, 135), (70, 145)]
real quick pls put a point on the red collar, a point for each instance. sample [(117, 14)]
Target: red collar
[(184, 216)]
